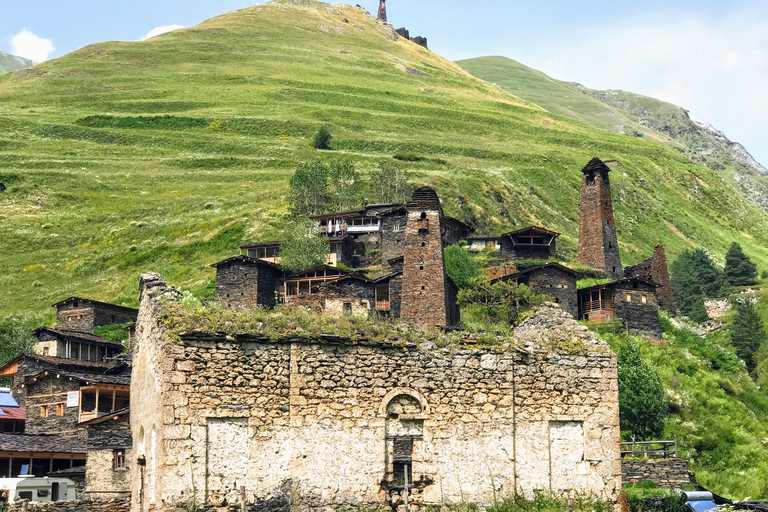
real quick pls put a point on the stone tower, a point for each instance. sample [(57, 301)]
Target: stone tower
[(382, 11), (598, 245), (426, 290)]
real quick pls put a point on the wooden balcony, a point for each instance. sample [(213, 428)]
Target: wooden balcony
[(382, 305), (596, 305)]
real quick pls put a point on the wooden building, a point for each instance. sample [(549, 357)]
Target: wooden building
[(531, 243)]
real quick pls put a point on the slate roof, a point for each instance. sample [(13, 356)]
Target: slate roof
[(260, 244), (247, 259), (425, 198), (88, 378), (41, 443), (535, 269), (79, 470), (620, 281), (595, 165), (81, 299), (75, 335), (59, 362), (532, 228)]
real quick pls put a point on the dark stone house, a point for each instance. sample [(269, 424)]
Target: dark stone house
[(553, 279), (632, 301), (655, 269), (75, 345), (85, 315), (243, 282), (109, 443), (531, 243)]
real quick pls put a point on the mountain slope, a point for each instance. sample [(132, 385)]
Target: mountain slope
[(630, 114), (167, 154), (9, 63)]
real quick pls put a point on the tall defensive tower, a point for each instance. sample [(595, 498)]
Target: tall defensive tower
[(382, 11), (427, 296), (598, 245)]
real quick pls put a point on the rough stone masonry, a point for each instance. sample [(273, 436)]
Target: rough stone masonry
[(329, 424)]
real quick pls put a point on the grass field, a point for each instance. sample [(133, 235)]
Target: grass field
[(165, 155)]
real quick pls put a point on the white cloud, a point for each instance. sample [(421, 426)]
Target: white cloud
[(716, 68), (162, 30), (28, 45)]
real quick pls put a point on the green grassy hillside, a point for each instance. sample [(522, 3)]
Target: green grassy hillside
[(166, 154), (10, 62), (630, 114)]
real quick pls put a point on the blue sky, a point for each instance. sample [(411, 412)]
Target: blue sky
[(710, 57)]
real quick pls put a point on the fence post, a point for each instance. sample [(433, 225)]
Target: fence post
[(405, 487), (676, 446)]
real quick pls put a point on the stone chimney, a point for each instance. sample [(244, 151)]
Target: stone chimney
[(382, 11), (598, 245)]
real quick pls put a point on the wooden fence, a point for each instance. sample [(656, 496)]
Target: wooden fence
[(650, 449)]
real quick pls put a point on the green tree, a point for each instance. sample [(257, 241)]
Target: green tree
[(16, 337), (694, 276), (501, 301), (460, 266), (698, 312), (114, 332), (344, 186), (739, 269), (389, 184), (642, 408), (304, 246), (309, 188), (747, 334), (322, 138)]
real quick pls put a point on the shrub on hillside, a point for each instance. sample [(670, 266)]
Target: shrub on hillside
[(698, 312), (322, 138), (739, 269), (642, 408), (460, 266)]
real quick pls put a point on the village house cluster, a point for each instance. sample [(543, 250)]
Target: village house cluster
[(291, 417)]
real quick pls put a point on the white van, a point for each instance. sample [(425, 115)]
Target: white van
[(37, 489)]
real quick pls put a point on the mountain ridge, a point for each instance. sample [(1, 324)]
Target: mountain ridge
[(10, 63)]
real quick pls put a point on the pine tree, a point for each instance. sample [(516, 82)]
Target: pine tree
[(698, 311), (747, 334), (739, 269), (694, 276), (642, 408)]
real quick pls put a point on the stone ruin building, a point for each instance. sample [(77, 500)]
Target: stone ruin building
[(327, 423), (655, 270), (632, 300), (553, 279), (598, 244), (73, 389)]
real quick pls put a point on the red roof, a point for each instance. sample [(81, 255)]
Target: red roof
[(13, 413)]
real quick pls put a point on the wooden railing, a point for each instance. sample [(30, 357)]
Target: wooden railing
[(597, 305), (650, 449)]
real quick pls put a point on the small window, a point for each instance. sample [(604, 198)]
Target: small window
[(43, 411), (421, 267), (25, 495), (118, 459), (423, 287), (347, 307), (74, 304), (59, 409), (644, 299), (423, 244), (45, 351), (423, 215), (629, 298)]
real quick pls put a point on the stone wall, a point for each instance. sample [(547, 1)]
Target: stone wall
[(393, 235), (313, 424), (242, 284), (112, 505), (655, 269), (598, 244), (78, 315), (669, 473), (103, 479), (638, 317), (556, 283), (51, 391), (347, 296)]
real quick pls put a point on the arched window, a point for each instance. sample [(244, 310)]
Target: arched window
[(405, 415)]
